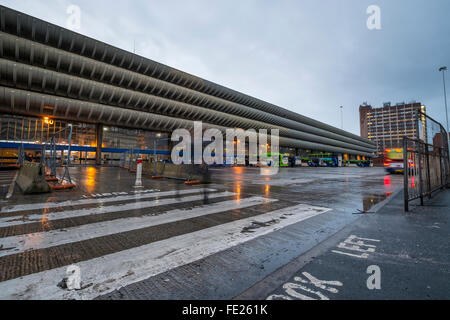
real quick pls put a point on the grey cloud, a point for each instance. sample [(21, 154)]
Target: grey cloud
[(309, 56)]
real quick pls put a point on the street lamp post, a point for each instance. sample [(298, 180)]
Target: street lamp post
[(342, 117), (443, 69)]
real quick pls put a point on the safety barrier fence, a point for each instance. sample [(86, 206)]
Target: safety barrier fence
[(18, 153), (425, 160)]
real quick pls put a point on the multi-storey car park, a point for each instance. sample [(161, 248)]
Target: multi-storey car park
[(117, 100)]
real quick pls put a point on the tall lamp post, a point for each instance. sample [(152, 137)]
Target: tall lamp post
[(443, 69), (342, 117)]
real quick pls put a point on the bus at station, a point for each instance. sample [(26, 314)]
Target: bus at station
[(283, 159), (393, 160), (323, 160)]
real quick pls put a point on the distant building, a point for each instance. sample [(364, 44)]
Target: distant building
[(438, 142), (387, 125)]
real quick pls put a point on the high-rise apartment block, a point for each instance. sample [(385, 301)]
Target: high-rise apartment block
[(387, 125)]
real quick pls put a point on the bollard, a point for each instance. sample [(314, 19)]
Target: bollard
[(138, 183)]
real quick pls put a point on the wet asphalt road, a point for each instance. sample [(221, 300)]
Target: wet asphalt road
[(97, 223), (350, 187), (390, 255)]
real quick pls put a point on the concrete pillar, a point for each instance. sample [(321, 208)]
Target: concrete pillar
[(98, 151)]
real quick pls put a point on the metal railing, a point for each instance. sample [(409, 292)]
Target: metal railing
[(425, 160), (48, 154)]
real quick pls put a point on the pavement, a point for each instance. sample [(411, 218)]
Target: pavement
[(172, 241), (389, 255)]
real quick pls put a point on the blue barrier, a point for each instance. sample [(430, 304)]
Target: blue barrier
[(35, 146)]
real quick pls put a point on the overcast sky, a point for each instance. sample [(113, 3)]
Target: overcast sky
[(309, 56)]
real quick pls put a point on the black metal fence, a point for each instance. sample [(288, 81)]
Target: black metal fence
[(425, 160)]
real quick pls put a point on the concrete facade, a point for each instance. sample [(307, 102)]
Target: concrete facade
[(46, 70)]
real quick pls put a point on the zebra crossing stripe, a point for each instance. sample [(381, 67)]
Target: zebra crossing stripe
[(4, 178), (138, 196), (11, 186), (113, 271), (32, 218), (40, 240)]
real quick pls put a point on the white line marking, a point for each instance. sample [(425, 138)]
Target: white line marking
[(282, 182), (40, 240), (141, 191), (291, 288), (119, 269), (48, 205), (344, 245), (117, 193), (45, 217), (353, 237), (354, 243), (11, 187), (362, 256)]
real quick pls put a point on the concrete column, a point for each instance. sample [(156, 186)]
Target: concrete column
[(98, 151)]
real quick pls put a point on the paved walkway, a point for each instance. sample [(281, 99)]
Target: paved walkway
[(387, 255)]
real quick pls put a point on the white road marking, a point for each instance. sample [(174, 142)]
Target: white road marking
[(291, 288), (40, 240), (11, 186), (361, 256), (109, 194), (48, 205), (45, 217), (354, 243), (143, 191), (119, 269), (282, 182)]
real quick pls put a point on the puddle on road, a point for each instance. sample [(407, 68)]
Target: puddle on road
[(371, 200)]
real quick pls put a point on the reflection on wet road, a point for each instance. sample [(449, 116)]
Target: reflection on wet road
[(242, 226), (354, 188)]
